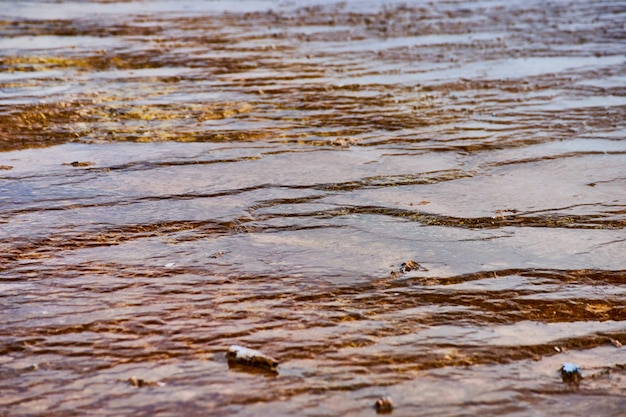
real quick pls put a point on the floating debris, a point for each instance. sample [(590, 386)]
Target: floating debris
[(6, 167), (383, 405), (244, 356), (616, 343), (411, 266), (570, 373)]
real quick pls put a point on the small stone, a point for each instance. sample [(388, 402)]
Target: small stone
[(383, 405), (344, 142), (250, 357), (79, 163), (411, 266), (570, 373), (133, 381)]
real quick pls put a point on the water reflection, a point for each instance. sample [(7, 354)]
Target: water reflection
[(180, 177)]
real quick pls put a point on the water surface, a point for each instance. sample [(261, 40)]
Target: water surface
[(178, 177)]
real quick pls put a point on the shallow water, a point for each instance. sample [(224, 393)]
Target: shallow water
[(178, 177)]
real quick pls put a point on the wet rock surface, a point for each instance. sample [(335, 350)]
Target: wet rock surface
[(180, 177)]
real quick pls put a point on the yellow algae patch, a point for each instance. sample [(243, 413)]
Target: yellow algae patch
[(41, 63)]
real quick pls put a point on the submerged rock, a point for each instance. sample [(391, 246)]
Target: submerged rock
[(245, 356)]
